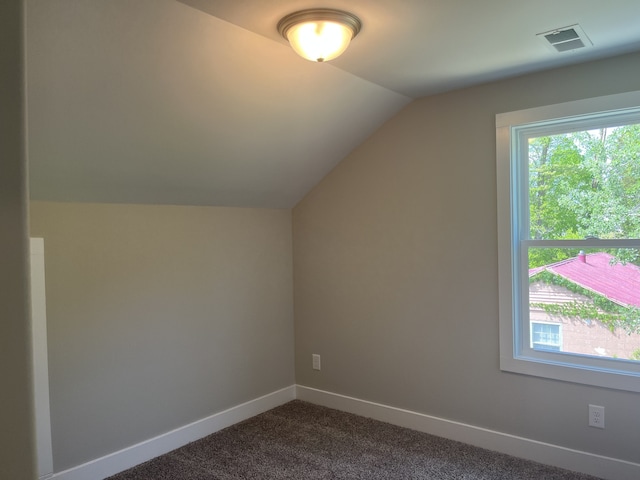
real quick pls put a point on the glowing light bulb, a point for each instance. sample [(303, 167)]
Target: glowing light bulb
[(319, 35), (319, 41)]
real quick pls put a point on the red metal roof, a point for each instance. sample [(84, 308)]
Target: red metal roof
[(619, 283)]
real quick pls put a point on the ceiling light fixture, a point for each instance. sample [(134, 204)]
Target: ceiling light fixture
[(319, 34)]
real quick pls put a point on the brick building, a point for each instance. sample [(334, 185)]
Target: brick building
[(596, 274)]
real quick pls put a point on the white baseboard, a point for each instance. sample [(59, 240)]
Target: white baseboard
[(600, 466), (129, 457)]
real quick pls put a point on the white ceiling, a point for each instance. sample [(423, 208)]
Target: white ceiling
[(201, 102)]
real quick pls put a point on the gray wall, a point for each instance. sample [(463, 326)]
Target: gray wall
[(16, 396), (395, 267), (159, 316)]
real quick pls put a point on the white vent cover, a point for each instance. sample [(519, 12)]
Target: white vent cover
[(565, 39)]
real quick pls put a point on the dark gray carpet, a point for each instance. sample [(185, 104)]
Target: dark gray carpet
[(304, 441)]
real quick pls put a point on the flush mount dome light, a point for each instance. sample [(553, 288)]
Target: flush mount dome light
[(319, 34)]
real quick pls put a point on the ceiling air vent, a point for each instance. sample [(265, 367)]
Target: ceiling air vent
[(565, 39)]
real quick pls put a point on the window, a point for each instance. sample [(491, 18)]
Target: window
[(546, 336), (569, 241)]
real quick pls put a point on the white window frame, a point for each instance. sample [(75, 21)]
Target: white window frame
[(516, 354)]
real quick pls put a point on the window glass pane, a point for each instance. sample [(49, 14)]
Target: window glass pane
[(545, 336), (592, 296), (585, 184)]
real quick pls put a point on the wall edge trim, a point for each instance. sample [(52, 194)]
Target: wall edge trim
[(126, 458), (604, 467), (601, 466)]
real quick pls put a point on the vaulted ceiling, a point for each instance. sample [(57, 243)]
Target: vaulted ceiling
[(201, 102)]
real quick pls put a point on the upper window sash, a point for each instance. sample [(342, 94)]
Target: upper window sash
[(520, 155)]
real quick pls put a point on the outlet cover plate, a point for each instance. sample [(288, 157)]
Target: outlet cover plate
[(315, 359), (596, 416)]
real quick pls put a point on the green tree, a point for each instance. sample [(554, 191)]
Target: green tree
[(557, 177), (585, 184)]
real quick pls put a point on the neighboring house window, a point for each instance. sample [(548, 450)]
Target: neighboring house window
[(546, 336), (569, 240)]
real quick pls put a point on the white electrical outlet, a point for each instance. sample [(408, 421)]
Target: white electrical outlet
[(315, 361), (596, 416)]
